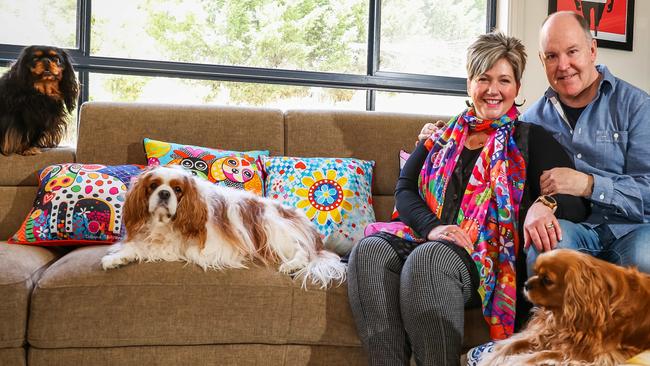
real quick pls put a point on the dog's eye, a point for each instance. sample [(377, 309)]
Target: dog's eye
[(153, 185), (546, 281), (178, 189)]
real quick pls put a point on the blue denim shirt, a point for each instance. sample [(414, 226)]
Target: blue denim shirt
[(611, 141)]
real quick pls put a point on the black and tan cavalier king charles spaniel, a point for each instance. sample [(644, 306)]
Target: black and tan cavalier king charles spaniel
[(37, 95)]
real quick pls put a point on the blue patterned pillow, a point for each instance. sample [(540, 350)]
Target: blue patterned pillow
[(335, 194)]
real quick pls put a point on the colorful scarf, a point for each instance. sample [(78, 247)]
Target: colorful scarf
[(489, 208)]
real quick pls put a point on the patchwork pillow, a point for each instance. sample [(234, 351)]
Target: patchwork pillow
[(334, 193), (77, 204), (230, 168)]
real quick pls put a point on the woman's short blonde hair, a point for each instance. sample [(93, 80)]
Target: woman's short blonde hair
[(490, 48)]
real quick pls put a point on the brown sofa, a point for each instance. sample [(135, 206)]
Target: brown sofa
[(63, 309)]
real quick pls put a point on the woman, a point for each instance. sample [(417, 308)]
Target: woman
[(459, 198)]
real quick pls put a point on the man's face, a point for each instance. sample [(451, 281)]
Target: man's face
[(568, 58)]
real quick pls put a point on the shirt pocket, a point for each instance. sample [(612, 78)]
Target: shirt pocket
[(611, 146)]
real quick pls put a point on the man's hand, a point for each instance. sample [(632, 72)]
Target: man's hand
[(541, 228), (429, 129), (451, 233), (566, 181)]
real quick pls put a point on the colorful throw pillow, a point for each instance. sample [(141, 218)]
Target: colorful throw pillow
[(334, 193), (77, 204), (230, 168)]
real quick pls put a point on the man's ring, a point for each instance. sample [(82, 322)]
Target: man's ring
[(550, 225)]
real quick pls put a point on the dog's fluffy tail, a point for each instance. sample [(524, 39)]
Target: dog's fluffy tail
[(323, 269)]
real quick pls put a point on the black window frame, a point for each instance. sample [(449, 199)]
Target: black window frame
[(374, 80)]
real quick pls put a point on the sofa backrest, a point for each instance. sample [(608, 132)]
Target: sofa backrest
[(112, 133)]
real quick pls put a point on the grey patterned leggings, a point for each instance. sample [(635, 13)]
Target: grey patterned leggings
[(417, 305)]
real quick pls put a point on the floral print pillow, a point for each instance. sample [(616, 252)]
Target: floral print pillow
[(334, 193)]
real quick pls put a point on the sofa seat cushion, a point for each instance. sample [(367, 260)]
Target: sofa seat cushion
[(21, 266), (77, 304)]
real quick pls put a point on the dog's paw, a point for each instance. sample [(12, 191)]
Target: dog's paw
[(113, 261), (31, 151)]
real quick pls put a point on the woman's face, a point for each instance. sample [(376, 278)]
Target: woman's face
[(494, 92)]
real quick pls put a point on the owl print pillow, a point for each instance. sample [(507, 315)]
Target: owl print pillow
[(237, 169)]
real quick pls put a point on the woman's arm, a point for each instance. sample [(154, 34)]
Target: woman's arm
[(413, 211), (546, 153)]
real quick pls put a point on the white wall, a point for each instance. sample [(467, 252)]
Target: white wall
[(523, 18)]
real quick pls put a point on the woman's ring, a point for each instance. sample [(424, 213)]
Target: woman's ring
[(550, 225)]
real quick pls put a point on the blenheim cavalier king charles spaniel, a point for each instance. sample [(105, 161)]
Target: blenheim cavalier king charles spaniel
[(590, 312), (170, 215)]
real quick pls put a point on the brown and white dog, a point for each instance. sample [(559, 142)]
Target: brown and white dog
[(170, 215), (591, 312)]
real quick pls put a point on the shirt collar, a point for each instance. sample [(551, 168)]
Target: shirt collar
[(608, 79)]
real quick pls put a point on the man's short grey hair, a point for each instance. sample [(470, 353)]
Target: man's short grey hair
[(490, 48), (579, 18)]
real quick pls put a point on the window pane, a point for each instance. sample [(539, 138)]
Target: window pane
[(28, 22), (124, 88), (446, 105), (325, 35), (429, 36)]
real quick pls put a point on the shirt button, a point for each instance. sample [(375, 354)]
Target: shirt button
[(579, 130), (602, 196), (579, 156), (605, 217), (615, 136)]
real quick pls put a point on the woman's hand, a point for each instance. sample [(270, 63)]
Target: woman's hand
[(451, 233), (541, 228), (429, 129)]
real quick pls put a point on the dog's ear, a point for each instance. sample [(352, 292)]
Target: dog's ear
[(136, 212), (586, 298), (69, 85), (20, 70), (192, 213)]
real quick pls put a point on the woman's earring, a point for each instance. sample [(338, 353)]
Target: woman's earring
[(469, 103), (520, 104)]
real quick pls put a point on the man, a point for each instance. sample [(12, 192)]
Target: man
[(604, 123)]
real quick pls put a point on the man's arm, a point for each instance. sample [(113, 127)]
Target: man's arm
[(629, 193)]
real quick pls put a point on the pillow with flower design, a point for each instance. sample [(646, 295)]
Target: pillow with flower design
[(335, 194), (77, 204), (238, 169)]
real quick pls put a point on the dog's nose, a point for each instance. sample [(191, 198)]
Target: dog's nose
[(164, 195)]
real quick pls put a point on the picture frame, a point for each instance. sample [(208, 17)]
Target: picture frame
[(611, 21)]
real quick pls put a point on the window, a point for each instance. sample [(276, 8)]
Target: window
[(389, 55)]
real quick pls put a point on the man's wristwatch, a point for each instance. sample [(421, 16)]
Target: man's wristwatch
[(547, 201)]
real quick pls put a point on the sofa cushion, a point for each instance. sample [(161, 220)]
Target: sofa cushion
[(238, 169), (217, 355), (77, 204), (174, 303), (334, 193), (21, 266), (121, 127)]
